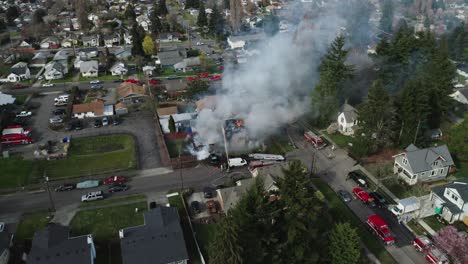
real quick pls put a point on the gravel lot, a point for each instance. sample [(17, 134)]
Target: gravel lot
[(138, 124)]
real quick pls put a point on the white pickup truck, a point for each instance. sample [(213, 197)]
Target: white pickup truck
[(24, 114)]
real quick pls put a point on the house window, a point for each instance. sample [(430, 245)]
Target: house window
[(433, 173), (342, 119), (435, 163), (405, 161), (454, 198), (441, 171)]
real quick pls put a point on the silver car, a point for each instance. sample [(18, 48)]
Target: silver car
[(55, 120)]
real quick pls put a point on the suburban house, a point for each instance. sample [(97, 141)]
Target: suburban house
[(89, 52), (188, 64), (423, 165), (451, 201), (144, 22), (62, 57), (19, 72), (229, 197), (6, 99), (50, 43), (38, 61), (130, 93), (461, 96), (89, 68), (53, 245), (159, 240), (239, 42), (166, 112), (121, 109), (112, 40), (6, 242), (347, 120), (170, 56), (118, 69), (169, 37), (54, 70), (70, 41), (182, 121), (270, 175), (122, 52), (90, 41), (148, 70), (25, 44), (95, 108)]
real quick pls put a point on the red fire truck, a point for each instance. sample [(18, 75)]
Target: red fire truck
[(422, 243), (380, 227), (16, 129), (260, 163), (14, 135), (314, 139), (436, 256)]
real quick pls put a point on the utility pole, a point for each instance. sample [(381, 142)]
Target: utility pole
[(52, 205), (180, 172), (225, 146)]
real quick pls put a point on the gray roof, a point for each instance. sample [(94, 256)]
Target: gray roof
[(349, 112), (464, 91), (89, 38), (18, 70), (60, 55), (6, 99), (160, 240), (171, 57), (85, 66), (231, 195), (55, 65), (421, 159), (52, 245)]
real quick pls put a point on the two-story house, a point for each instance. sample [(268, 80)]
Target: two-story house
[(423, 165), (451, 201), (144, 22), (54, 70), (19, 72), (111, 40), (118, 69), (90, 41), (89, 68), (347, 120)]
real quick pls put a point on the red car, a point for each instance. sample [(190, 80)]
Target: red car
[(134, 81), (114, 179), (19, 86), (155, 81), (191, 79), (203, 75), (215, 77)]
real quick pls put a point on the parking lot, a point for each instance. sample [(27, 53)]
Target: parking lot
[(200, 198), (139, 124)]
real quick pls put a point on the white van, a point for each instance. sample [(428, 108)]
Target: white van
[(92, 196), (61, 98), (237, 162)]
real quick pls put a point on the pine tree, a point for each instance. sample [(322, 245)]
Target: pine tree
[(156, 26), (172, 125), (344, 245), (162, 8), (226, 248), (138, 33), (202, 19), (216, 22), (130, 13), (386, 21)]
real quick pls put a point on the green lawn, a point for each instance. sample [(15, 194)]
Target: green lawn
[(104, 223), (279, 145), (205, 233), (108, 77), (339, 139), (462, 170), (94, 155), (30, 223), (173, 147), (416, 227), (434, 223), (136, 197), (404, 191), (340, 211), (20, 99), (15, 172), (66, 79), (176, 201)]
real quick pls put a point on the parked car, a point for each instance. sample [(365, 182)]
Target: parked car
[(115, 121), (95, 82), (208, 192), (131, 80), (58, 112), (75, 125), (379, 200), (358, 178), (92, 196), (114, 179), (19, 86), (55, 120), (203, 75), (191, 79), (105, 121), (215, 77), (97, 123), (48, 85), (214, 159), (173, 77), (196, 207), (65, 187), (153, 205), (345, 196), (118, 188), (24, 114), (96, 86), (155, 81)]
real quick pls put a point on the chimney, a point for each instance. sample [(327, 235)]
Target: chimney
[(121, 233)]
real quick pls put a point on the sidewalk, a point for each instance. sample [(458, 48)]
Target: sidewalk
[(427, 227)]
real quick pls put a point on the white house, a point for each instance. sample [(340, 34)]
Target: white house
[(19, 72), (187, 64), (347, 120), (54, 71), (144, 22), (93, 109), (423, 165), (235, 43), (89, 68), (169, 37), (451, 201), (118, 69), (461, 96), (111, 40), (25, 44)]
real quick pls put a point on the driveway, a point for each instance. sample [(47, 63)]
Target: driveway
[(334, 172), (139, 124)]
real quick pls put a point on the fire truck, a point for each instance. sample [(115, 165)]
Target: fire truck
[(422, 243), (14, 135), (314, 139), (259, 156), (380, 228), (436, 256), (363, 196), (260, 163)]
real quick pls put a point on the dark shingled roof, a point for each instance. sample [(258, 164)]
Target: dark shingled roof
[(461, 186), (52, 245), (160, 240)]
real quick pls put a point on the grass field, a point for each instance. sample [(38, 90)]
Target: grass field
[(403, 191), (205, 233), (434, 223), (15, 172), (30, 223), (20, 99), (94, 155), (340, 211), (114, 200), (417, 228), (339, 139)]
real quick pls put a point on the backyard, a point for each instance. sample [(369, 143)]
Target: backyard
[(15, 172), (401, 190), (339, 139), (205, 233), (340, 211), (30, 223), (94, 155)]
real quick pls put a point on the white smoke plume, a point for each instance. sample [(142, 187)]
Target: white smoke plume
[(273, 88)]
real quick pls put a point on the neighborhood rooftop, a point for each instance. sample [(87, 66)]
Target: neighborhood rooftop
[(421, 159)]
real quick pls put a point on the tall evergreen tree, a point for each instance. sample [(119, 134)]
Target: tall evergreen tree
[(226, 245), (172, 125), (216, 22), (130, 13), (458, 43), (138, 34), (156, 26), (162, 8), (202, 19), (376, 115), (386, 21), (344, 245)]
